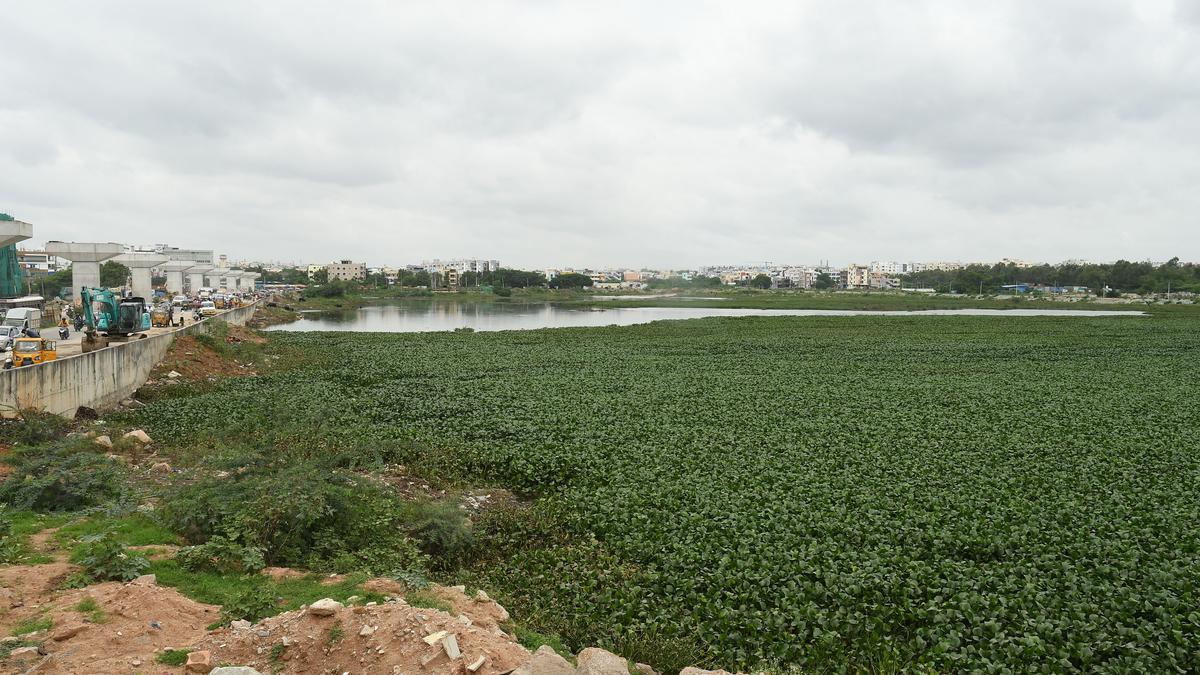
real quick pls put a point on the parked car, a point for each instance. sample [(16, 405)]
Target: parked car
[(8, 335)]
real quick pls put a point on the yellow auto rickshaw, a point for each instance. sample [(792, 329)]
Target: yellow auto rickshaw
[(29, 351)]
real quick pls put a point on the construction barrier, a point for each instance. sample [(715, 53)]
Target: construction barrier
[(99, 379)]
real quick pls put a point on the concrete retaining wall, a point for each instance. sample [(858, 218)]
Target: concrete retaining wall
[(98, 379)]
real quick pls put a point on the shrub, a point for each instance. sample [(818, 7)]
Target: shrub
[(62, 479), (301, 515), (221, 555), (253, 604), (32, 428), (441, 527), (8, 547), (103, 558)]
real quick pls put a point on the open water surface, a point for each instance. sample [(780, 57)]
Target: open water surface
[(419, 316)]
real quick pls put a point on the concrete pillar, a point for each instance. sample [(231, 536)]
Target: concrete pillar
[(85, 261), (14, 231), (251, 277), (175, 270), (195, 275), (237, 280), (139, 265), (212, 277)]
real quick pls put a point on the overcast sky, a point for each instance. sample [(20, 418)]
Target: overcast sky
[(608, 133)]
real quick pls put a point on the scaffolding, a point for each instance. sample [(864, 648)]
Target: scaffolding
[(11, 282)]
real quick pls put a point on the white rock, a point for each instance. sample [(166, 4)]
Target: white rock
[(594, 661), (325, 607), (139, 436), (145, 580)]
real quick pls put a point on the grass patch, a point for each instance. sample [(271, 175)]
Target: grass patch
[(336, 632), (532, 640), (32, 625), (135, 529), (24, 524), (172, 657), (224, 589), (275, 656), (427, 600), (89, 607)]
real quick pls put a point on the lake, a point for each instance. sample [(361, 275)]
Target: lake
[(420, 316)]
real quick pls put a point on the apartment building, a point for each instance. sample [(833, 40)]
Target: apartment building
[(346, 270)]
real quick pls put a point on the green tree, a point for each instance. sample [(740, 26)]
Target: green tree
[(570, 280), (321, 276), (761, 281), (113, 274), (823, 281)]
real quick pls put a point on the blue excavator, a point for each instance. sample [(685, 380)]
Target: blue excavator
[(106, 315)]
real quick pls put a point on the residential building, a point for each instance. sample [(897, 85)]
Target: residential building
[(857, 276), (346, 270), (38, 262)]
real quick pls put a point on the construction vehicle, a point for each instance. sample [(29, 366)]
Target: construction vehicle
[(28, 351), (106, 316)]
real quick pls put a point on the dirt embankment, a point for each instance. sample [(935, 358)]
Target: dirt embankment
[(192, 359)]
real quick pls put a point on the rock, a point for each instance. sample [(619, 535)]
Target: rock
[(692, 670), (174, 374), (160, 467), (20, 652), (138, 435), (645, 669), (234, 670), (434, 638), (476, 664), (481, 596), (104, 441), (324, 607), (145, 580), (199, 662), (367, 630), (67, 632), (450, 644), (594, 661), (118, 458), (545, 661), (240, 624)]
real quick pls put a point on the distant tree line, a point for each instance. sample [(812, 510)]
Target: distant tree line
[(1122, 276)]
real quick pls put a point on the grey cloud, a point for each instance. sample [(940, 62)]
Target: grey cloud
[(555, 133)]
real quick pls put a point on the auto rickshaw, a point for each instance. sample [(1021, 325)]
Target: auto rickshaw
[(29, 351)]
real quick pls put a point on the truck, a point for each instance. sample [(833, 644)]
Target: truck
[(24, 318)]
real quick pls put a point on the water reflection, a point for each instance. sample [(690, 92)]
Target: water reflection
[(441, 315)]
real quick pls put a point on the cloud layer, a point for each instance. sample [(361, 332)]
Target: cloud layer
[(662, 134)]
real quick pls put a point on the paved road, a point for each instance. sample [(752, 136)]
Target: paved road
[(72, 345)]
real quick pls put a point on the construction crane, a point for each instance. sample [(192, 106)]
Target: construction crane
[(114, 317)]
